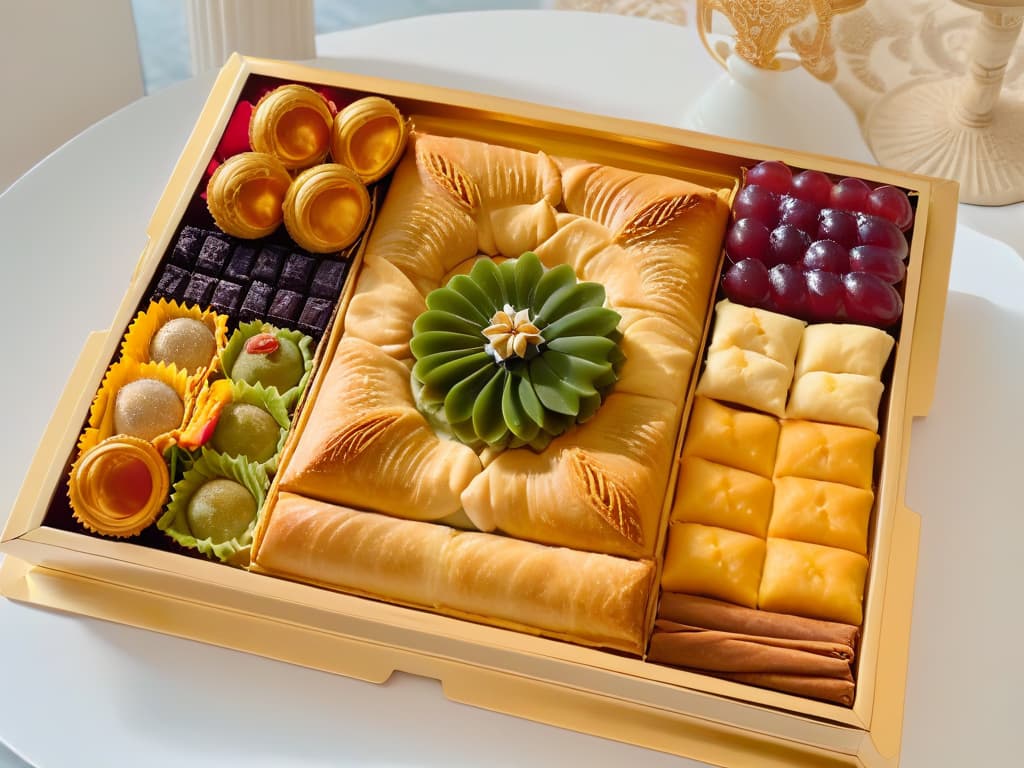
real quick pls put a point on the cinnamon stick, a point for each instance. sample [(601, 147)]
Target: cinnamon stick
[(823, 688)]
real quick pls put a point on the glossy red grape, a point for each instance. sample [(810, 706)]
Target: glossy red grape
[(825, 295), (850, 195), (812, 186), (748, 239), (746, 282), (772, 175), (870, 300), (788, 290), (840, 226), (878, 260), (874, 230), (800, 213), (827, 255), (786, 245), (891, 203), (756, 203)]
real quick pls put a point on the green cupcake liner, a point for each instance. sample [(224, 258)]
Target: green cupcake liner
[(273, 403), (246, 331)]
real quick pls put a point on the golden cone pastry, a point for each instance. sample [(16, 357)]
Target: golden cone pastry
[(326, 208), (594, 599), (599, 487), (293, 123), (383, 308), (118, 487), (365, 444), (369, 136), (245, 194)]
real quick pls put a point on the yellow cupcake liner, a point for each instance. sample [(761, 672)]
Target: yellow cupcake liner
[(98, 486), (101, 414), (246, 331), (212, 400), (209, 466), (135, 344)]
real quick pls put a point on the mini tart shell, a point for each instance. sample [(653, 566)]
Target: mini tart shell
[(326, 208), (292, 123), (369, 136), (245, 193), (266, 398), (135, 344), (246, 331), (209, 466), (91, 497), (125, 371)]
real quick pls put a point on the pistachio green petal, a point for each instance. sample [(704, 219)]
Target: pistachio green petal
[(487, 419), (521, 425), (532, 406), (550, 282), (485, 274), (426, 364), (589, 321), (578, 296), (588, 407), (458, 403), (576, 372), (449, 374), (588, 347), (507, 275), (439, 320), (464, 285), (448, 300), (528, 272), (432, 342), (551, 390)]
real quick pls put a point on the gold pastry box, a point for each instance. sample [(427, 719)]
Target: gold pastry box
[(550, 681)]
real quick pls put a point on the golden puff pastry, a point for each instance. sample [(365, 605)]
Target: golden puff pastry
[(830, 514), (827, 452), (838, 398), (658, 362), (365, 444), (575, 241), (713, 562), (593, 599), (813, 581), (383, 308), (714, 494), (844, 348), (521, 228), (756, 330), (731, 436), (599, 487), (746, 378)]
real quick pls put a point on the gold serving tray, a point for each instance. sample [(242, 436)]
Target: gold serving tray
[(549, 681)]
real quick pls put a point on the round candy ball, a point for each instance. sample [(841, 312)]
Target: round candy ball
[(220, 510), (185, 342), (145, 408), (282, 368), (246, 430)]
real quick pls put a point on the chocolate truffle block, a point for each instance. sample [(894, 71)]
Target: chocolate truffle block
[(297, 272), (171, 283), (285, 308), (256, 302), (186, 249), (199, 289), (227, 297), (213, 256), (328, 280), (268, 265), (316, 314), (240, 264)]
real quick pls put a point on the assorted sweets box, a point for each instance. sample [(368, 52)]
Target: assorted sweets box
[(600, 423)]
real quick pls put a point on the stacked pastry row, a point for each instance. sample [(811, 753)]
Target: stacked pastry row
[(565, 535), (774, 494)]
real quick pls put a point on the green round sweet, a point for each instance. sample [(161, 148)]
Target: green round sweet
[(282, 368), (185, 342), (246, 430), (145, 408), (220, 510)]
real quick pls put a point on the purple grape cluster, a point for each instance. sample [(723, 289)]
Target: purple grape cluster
[(806, 247)]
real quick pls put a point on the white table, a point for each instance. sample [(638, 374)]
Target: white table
[(82, 692)]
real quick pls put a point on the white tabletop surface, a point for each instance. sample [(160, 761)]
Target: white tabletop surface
[(80, 692)]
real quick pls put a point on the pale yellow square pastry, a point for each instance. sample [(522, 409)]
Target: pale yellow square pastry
[(714, 562), (826, 452), (838, 398), (813, 581), (714, 494), (746, 378), (830, 514), (844, 348), (756, 330), (725, 435)]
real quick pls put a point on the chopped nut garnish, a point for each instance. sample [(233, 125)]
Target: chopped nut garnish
[(512, 333)]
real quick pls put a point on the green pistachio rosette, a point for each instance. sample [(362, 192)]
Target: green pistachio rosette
[(514, 354), (292, 342), (210, 466)]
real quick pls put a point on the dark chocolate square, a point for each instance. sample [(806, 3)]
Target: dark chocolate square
[(257, 299), (297, 272), (328, 279), (199, 289), (226, 297), (286, 307), (186, 249), (268, 265), (315, 316), (171, 283), (213, 256), (240, 264)]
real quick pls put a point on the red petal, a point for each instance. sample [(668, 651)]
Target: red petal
[(262, 344)]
